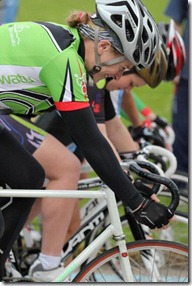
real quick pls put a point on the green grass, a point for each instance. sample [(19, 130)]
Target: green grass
[(55, 11), (160, 98)]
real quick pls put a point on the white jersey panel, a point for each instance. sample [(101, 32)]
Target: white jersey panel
[(116, 98), (19, 77)]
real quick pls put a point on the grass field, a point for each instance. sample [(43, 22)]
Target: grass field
[(160, 98)]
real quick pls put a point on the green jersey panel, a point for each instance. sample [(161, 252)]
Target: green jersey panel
[(65, 76), (25, 44), (40, 65)]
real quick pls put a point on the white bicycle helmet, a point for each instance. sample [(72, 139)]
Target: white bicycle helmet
[(131, 25), (175, 49)]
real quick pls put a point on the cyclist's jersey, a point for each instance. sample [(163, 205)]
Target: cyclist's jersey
[(41, 65)]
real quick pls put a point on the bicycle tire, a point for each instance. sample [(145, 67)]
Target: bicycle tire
[(175, 255)]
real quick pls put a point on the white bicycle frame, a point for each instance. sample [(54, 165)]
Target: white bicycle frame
[(114, 229)]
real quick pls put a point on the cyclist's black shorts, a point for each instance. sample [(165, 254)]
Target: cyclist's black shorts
[(29, 135)]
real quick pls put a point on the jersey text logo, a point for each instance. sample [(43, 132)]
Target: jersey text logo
[(15, 79)]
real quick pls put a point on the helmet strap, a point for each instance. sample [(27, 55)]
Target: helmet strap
[(99, 65), (114, 61)]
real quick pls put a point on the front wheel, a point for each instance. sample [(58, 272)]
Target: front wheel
[(151, 261)]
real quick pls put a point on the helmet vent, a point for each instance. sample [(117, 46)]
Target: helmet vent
[(141, 10), (140, 66), (132, 14), (117, 19), (136, 55), (164, 38), (166, 27), (149, 25), (145, 36), (146, 54), (129, 31), (163, 48)]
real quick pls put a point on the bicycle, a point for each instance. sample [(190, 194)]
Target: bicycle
[(127, 271), (182, 216), (30, 253), (163, 157), (93, 217), (102, 214)]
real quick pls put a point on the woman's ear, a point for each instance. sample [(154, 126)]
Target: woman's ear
[(103, 46)]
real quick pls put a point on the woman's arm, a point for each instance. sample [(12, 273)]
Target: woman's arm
[(97, 151), (99, 154)]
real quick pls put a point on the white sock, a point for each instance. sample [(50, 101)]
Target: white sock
[(49, 262)]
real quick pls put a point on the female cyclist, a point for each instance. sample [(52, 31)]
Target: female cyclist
[(35, 77), (53, 157), (62, 170)]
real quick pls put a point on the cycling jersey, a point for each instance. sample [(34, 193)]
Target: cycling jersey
[(40, 67)]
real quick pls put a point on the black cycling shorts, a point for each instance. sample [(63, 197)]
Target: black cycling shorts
[(29, 135)]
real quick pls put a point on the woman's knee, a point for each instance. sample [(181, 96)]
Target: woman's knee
[(68, 164)]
